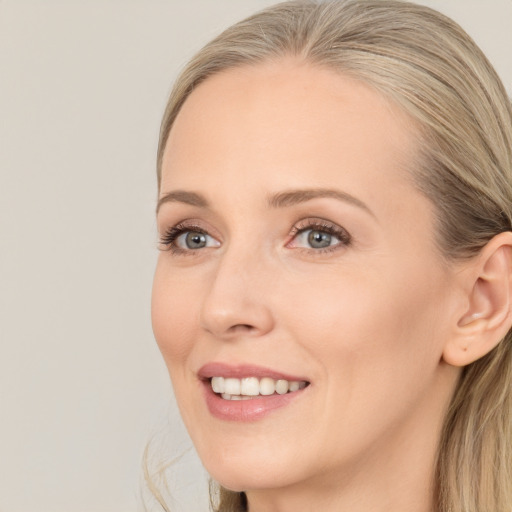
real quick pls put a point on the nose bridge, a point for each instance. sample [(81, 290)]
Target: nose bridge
[(238, 298)]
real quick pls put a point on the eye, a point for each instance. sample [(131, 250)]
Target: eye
[(182, 239), (192, 240), (319, 235), (315, 238)]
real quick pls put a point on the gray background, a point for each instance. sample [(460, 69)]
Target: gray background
[(82, 387)]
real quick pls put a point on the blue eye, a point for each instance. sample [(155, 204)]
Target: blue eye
[(319, 235), (316, 239), (192, 240), (183, 239)]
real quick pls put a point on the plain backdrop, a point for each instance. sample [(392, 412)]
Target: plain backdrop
[(82, 388)]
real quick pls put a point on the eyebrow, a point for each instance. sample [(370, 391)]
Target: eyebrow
[(183, 196), (293, 197), (283, 199)]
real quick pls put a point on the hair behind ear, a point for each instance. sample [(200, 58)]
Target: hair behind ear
[(474, 467)]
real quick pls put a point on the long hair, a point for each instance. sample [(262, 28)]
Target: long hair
[(431, 68)]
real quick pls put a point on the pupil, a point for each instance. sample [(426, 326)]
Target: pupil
[(195, 240), (319, 239)]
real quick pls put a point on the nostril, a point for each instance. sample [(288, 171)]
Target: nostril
[(241, 328)]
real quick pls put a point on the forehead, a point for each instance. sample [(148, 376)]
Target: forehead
[(284, 115)]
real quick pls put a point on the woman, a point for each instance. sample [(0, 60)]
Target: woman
[(332, 298)]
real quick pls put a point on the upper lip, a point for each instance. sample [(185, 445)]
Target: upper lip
[(239, 371)]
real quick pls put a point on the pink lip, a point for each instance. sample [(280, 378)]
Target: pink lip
[(244, 370), (244, 410)]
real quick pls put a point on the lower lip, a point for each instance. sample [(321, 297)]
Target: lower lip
[(246, 410)]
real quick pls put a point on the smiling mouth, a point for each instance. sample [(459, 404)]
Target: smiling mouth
[(249, 388)]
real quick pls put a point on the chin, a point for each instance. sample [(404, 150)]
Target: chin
[(245, 480), (243, 470)]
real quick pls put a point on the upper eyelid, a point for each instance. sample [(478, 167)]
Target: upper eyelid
[(190, 225), (310, 222), (314, 222), (319, 223)]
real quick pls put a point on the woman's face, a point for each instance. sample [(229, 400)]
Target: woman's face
[(295, 248)]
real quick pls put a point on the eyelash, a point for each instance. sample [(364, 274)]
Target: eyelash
[(168, 239)]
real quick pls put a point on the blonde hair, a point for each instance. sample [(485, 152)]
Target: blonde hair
[(427, 64)]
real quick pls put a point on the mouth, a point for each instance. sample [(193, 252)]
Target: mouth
[(248, 392), (248, 388)]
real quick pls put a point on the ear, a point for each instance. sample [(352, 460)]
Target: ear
[(487, 315)]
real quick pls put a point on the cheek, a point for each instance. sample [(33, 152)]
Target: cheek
[(377, 341), (373, 326), (171, 315)]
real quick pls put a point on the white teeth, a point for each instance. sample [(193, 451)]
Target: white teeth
[(267, 386), (218, 384), (249, 387), (232, 386), (227, 396), (282, 387)]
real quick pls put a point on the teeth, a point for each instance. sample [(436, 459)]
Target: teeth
[(232, 386), (267, 386), (282, 387), (218, 384), (294, 386), (244, 389), (250, 386)]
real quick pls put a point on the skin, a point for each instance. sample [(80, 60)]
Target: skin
[(366, 322)]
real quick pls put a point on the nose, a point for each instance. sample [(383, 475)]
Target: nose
[(237, 302)]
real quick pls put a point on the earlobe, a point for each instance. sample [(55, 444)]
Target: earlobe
[(488, 316)]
